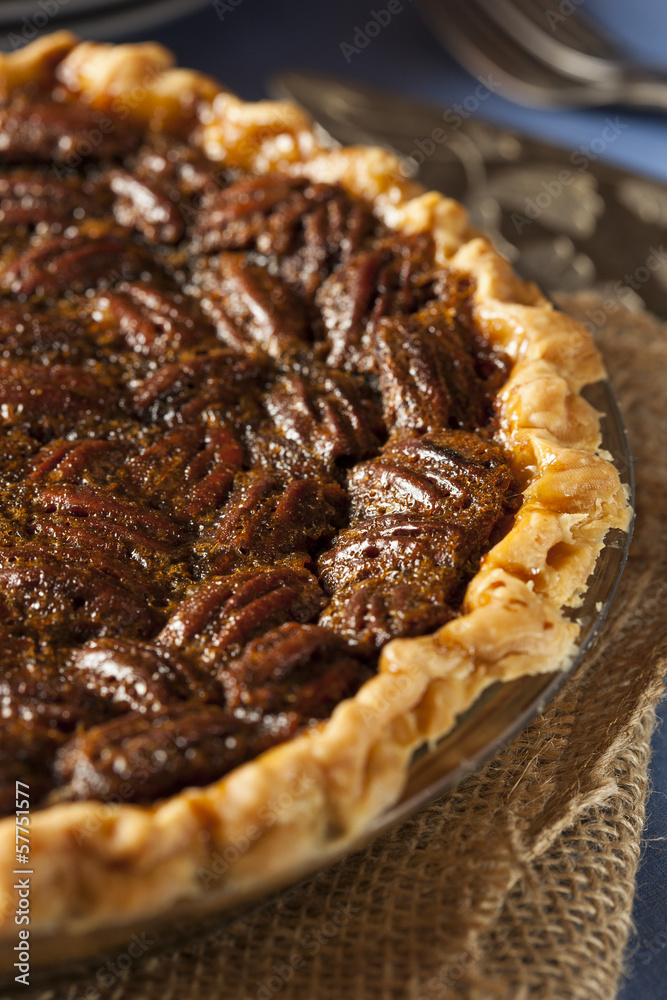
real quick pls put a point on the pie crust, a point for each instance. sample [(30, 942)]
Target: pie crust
[(97, 866)]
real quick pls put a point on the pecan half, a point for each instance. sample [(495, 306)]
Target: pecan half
[(68, 133), (189, 471), (87, 462), (254, 309), (133, 676), (225, 613), (303, 670), (452, 474), (395, 547), (141, 758), (33, 334), (330, 417), (47, 400), (67, 602), (305, 228), (53, 265), (147, 208), (128, 554), (427, 373), (34, 689), (372, 612), (219, 385), (394, 276), (35, 198), (235, 217), (150, 321), (84, 501), (266, 519)]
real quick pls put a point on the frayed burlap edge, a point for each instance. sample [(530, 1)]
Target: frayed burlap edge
[(519, 884)]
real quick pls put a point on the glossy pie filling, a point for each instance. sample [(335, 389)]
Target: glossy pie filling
[(246, 439)]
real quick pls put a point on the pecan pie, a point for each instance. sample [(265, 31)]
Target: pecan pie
[(292, 466)]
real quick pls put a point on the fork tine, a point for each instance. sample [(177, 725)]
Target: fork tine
[(486, 47), (522, 20), (573, 29), (481, 38)]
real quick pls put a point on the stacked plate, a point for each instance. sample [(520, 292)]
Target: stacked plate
[(21, 21)]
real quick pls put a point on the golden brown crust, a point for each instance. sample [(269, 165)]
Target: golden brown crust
[(97, 865)]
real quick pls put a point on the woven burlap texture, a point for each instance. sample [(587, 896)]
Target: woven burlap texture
[(520, 882)]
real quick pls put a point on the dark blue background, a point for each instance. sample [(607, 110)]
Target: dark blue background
[(260, 37)]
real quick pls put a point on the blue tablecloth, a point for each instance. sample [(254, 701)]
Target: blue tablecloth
[(242, 42)]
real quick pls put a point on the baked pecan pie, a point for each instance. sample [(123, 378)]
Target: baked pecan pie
[(292, 466)]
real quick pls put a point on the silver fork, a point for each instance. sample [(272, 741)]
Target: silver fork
[(541, 59)]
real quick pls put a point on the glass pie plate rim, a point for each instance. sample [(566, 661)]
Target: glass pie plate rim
[(495, 718)]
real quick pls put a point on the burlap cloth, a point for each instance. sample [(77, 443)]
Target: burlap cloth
[(519, 883)]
